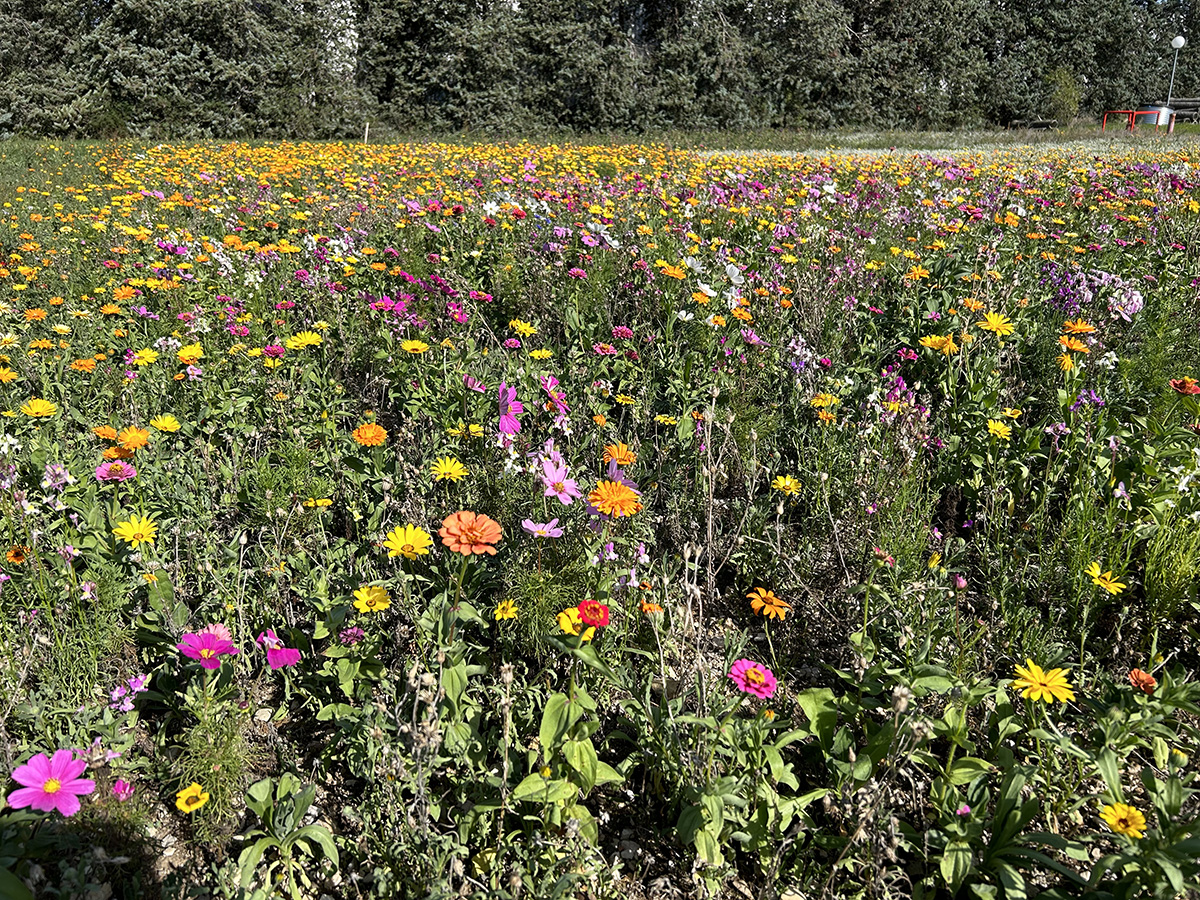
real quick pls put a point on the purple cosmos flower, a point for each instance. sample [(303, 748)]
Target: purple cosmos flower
[(510, 408), (278, 655), (207, 647), (51, 783), (554, 477), (543, 529)]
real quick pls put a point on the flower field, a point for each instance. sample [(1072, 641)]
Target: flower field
[(555, 521)]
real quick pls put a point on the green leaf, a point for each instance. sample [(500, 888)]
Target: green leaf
[(1106, 764), (967, 768), (250, 858), (319, 835), (581, 756), (537, 789), (956, 863), (606, 774), (709, 848), (820, 708), (13, 887), (554, 724)]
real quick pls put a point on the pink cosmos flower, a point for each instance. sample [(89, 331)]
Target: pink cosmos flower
[(753, 678), (51, 783), (115, 471), (474, 384), (278, 655), (542, 529), (510, 408), (554, 477), (207, 647)]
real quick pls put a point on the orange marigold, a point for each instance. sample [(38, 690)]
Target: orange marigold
[(621, 453), (84, 365), (105, 432), (133, 438), (118, 453), (470, 533), (369, 434), (612, 498)]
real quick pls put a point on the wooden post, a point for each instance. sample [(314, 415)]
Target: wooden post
[(366, 131)]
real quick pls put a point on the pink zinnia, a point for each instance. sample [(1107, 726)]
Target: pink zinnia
[(753, 678), (207, 647), (51, 783), (510, 408), (115, 471), (278, 655)]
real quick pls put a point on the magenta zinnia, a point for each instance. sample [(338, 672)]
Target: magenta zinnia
[(753, 678), (206, 647), (51, 783)]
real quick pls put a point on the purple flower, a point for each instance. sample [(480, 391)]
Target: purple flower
[(510, 408), (115, 471), (352, 635), (206, 647), (137, 684), (122, 790), (543, 529), (554, 477), (963, 810), (577, 273), (278, 655)]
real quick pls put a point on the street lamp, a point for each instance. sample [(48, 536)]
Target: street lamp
[(1177, 42)]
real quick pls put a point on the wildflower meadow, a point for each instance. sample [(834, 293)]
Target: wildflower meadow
[(553, 521)]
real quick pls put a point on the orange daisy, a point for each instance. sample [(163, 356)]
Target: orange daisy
[(621, 453), (133, 438), (612, 498)]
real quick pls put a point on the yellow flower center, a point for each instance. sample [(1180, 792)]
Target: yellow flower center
[(206, 654), (755, 677), (52, 786), (192, 800)]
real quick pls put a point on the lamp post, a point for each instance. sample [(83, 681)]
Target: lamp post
[(1177, 42)]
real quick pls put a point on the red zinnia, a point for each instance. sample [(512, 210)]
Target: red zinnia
[(592, 612)]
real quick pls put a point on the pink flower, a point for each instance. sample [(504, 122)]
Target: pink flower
[(115, 471), (474, 384), (542, 529), (216, 629), (51, 783), (603, 349), (278, 655), (122, 790), (753, 678), (207, 647), (577, 273), (510, 408), (554, 477)]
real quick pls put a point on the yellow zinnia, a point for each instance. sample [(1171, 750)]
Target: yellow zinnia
[(1036, 684)]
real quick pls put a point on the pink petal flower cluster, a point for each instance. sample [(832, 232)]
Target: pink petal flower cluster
[(208, 646), (278, 655), (51, 783)]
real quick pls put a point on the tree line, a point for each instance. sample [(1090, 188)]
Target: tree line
[(324, 68)]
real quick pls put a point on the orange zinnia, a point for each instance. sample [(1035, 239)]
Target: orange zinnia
[(133, 438), (621, 453), (467, 533), (118, 453), (370, 434), (105, 432), (1143, 681), (612, 498)]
